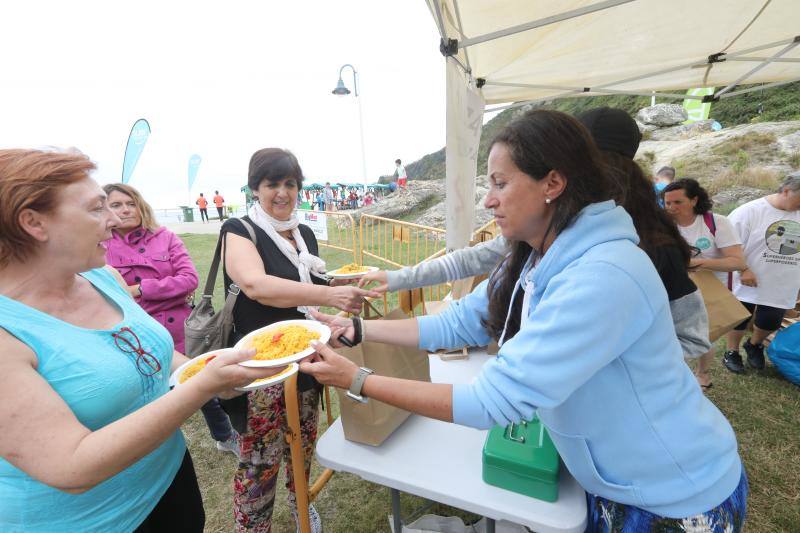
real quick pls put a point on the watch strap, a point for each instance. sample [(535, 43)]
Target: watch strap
[(358, 384)]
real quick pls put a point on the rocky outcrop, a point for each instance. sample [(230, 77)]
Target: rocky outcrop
[(682, 131), (737, 196), (662, 115), (666, 152)]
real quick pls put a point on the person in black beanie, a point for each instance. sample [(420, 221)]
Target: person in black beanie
[(617, 136)]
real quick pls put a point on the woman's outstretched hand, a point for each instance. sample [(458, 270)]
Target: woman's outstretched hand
[(349, 299), (379, 277), (223, 373), (339, 326), (328, 367)]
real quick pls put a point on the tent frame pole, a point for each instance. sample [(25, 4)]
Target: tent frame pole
[(774, 60), (439, 19), (759, 87), (541, 22), (777, 54)]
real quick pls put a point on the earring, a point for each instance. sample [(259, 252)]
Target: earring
[(547, 200)]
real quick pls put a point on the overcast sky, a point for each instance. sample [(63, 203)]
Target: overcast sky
[(222, 79)]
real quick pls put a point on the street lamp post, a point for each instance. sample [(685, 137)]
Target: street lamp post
[(342, 90)]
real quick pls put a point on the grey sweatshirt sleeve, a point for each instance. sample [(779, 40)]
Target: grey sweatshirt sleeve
[(471, 261), (691, 324)]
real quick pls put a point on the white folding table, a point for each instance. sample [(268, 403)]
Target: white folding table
[(442, 462)]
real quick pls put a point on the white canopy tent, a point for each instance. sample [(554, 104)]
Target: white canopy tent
[(522, 51)]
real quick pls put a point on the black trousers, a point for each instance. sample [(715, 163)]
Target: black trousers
[(219, 211), (204, 214), (180, 509)]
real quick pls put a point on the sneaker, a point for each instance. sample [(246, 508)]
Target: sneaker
[(313, 518), (755, 355), (231, 445), (733, 361)]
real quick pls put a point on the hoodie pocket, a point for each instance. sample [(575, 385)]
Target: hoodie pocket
[(580, 462)]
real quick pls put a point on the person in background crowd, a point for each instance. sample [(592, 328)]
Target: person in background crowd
[(219, 202), (368, 199), (770, 232), (718, 244), (160, 276), (353, 198), (400, 171), (663, 177), (90, 436), (202, 204), (586, 341), (329, 203), (280, 278), (320, 199)]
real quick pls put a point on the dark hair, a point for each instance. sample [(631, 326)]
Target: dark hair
[(538, 142), (692, 189), (397, 161), (273, 164), (666, 171), (654, 226)]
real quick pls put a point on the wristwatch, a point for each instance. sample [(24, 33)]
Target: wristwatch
[(358, 382)]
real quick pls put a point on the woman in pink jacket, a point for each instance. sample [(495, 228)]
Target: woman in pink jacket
[(153, 260), (160, 277)]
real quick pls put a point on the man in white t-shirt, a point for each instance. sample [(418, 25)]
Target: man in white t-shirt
[(770, 231), (718, 244)]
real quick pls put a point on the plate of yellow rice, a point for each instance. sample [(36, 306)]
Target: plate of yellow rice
[(351, 271), (283, 342), (190, 368), (272, 380)]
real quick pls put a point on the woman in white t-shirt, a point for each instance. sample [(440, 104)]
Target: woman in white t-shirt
[(770, 231), (719, 245)]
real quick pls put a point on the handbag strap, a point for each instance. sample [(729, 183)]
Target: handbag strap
[(208, 290)]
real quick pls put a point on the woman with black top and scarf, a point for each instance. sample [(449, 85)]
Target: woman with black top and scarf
[(281, 277)]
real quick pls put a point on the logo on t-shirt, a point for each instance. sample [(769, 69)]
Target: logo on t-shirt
[(783, 237), (703, 243)]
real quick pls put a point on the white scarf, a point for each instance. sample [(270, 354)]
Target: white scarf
[(306, 263)]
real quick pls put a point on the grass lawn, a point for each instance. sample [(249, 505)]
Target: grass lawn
[(763, 408)]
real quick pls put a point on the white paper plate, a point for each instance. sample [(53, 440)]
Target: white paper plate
[(173, 379), (324, 335), (354, 275), (272, 380)]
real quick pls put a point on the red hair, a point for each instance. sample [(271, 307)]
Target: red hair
[(32, 179)]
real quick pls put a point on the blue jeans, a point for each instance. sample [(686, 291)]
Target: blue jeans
[(217, 420)]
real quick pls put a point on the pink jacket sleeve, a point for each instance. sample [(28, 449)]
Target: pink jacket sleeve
[(180, 284)]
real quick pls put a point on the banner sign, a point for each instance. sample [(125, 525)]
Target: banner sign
[(696, 109), (194, 165), (318, 222), (136, 141)]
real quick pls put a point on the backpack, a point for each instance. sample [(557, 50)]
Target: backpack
[(784, 352), (206, 330), (708, 218)]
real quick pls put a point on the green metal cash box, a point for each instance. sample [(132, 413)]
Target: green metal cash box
[(523, 459)]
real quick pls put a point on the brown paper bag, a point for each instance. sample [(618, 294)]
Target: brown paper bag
[(724, 310), (372, 423)]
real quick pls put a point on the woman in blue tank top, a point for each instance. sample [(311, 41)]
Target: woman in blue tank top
[(90, 436)]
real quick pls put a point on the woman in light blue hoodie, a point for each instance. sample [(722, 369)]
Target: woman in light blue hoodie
[(587, 344)]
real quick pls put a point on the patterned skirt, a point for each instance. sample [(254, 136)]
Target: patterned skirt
[(606, 516)]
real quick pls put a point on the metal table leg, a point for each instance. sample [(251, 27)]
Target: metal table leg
[(396, 517), (489, 525)]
